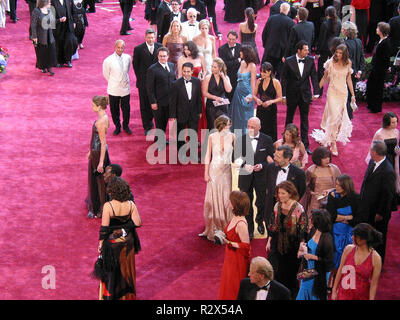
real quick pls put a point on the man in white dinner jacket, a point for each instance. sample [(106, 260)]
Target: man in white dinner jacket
[(115, 70), (190, 28)]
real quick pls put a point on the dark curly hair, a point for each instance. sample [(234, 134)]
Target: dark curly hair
[(119, 189), (319, 154)]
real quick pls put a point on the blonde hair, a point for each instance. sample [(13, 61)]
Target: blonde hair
[(204, 22), (172, 23), (221, 64), (221, 122)]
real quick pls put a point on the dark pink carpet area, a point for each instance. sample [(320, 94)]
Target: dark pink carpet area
[(45, 128)]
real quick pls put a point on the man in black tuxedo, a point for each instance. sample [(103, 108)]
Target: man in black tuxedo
[(261, 284), (160, 77), (163, 18), (126, 8), (378, 193), (296, 74), (275, 38), (394, 35), (64, 32), (281, 170), (275, 9), (176, 13), (230, 54), (144, 55), (303, 30), (185, 103), (251, 152)]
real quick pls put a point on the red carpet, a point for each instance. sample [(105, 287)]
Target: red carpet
[(45, 127)]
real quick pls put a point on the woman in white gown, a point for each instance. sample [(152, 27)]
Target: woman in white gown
[(3, 7), (206, 44), (336, 124), (218, 175)]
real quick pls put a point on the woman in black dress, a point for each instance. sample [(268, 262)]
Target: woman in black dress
[(43, 39), (380, 65), (234, 11), (269, 93), (98, 158), (80, 20), (215, 87), (248, 31), (330, 28), (118, 244)]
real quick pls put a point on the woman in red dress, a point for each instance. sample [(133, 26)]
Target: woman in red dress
[(358, 274), (237, 251)]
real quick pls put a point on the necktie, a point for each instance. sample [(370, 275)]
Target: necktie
[(166, 68), (302, 60)]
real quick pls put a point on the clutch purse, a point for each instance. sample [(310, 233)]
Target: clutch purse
[(307, 274), (353, 106)]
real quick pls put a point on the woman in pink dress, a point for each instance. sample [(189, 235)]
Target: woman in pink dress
[(290, 137), (336, 124), (237, 251), (358, 274)]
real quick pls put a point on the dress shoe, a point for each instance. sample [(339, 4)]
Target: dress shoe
[(130, 28), (91, 215), (50, 71), (81, 46), (124, 33), (58, 65), (44, 70), (260, 228), (90, 11), (308, 151), (117, 131), (128, 131), (69, 65)]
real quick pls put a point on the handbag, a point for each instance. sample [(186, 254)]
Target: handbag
[(306, 273)]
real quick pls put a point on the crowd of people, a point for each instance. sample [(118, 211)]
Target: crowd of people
[(313, 218)]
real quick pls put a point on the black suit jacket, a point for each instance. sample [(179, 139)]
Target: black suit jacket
[(356, 54), (264, 148), (276, 8), (180, 107), (381, 58), (248, 291), (295, 175), (172, 17), (395, 34), (275, 35), (304, 30), (159, 82), (163, 18), (293, 84), (141, 61), (231, 61), (377, 193), (200, 7), (63, 11)]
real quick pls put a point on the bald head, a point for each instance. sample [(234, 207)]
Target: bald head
[(253, 126), (285, 8)]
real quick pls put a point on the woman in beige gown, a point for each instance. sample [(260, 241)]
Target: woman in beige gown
[(336, 124), (218, 175)]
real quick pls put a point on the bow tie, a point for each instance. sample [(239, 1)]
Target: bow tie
[(176, 14), (283, 169), (255, 138), (192, 25), (187, 81), (266, 287), (302, 60)]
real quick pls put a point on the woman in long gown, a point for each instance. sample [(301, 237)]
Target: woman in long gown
[(242, 105), (248, 32), (118, 244), (361, 264), (268, 94), (218, 175), (318, 253), (237, 250), (286, 235), (343, 204), (215, 87), (336, 124), (174, 41), (98, 158), (206, 43)]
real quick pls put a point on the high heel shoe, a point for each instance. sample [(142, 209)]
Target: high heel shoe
[(50, 71), (334, 150)]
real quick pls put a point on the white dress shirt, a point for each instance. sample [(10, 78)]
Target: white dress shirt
[(300, 64), (116, 71), (263, 294), (190, 31), (282, 176), (254, 141), (151, 48), (165, 66), (377, 164), (188, 86)]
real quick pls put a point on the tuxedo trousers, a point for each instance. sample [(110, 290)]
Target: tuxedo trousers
[(116, 103), (13, 10), (381, 226), (161, 116), (181, 126), (375, 85), (292, 103), (126, 8), (145, 109), (211, 13)]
